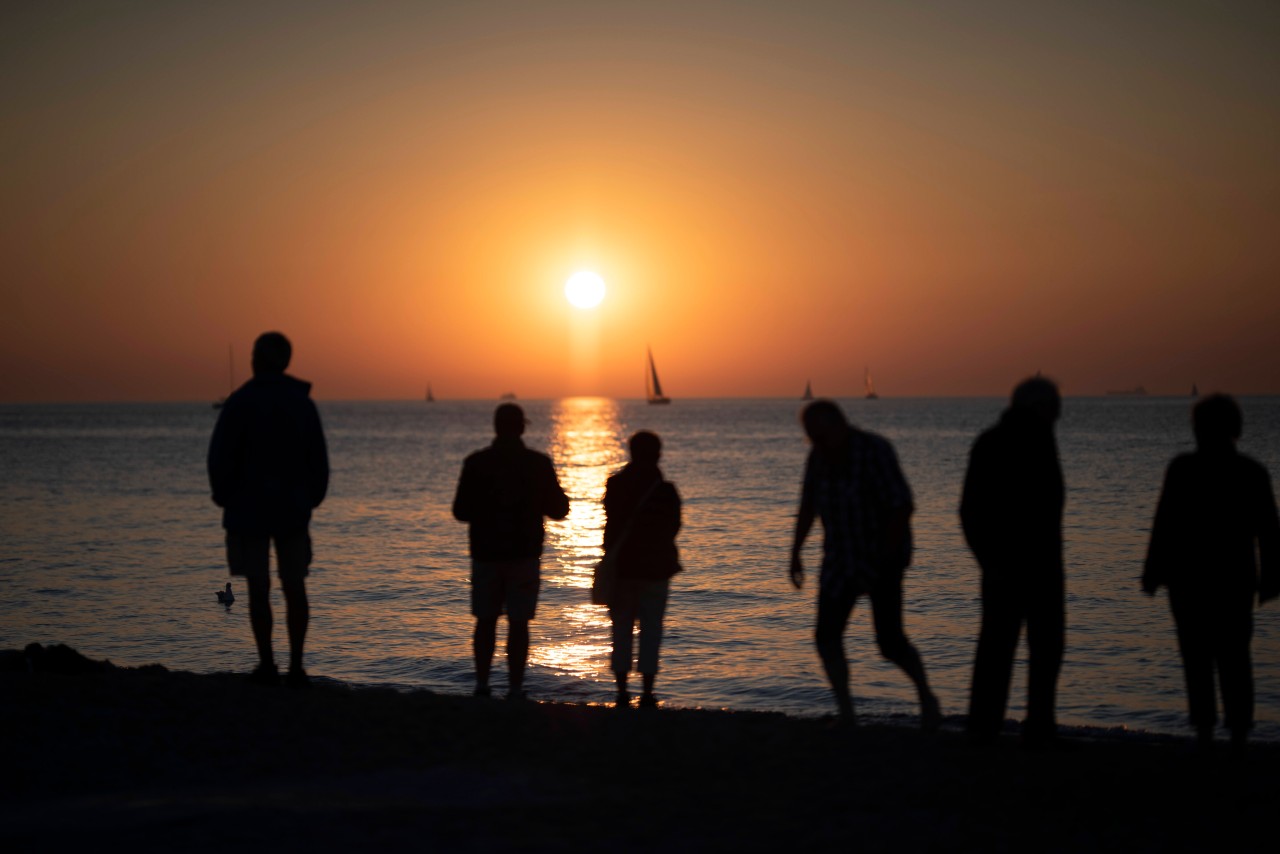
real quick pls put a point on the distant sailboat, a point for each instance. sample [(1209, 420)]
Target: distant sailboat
[(1195, 392), (431, 398), (653, 388), (808, 391), (231, 377), (871, 388)]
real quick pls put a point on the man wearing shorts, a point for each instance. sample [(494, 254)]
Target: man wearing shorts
[(504, 492), (269, 469)]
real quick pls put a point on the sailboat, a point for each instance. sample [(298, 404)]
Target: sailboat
[(1195, 392), (431, 398), (231, 377), (808, 391), (871, 389), (653, 388)]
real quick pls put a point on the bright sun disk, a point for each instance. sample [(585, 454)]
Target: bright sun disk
[(584, 289)]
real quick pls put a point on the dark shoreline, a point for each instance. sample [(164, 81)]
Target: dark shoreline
[(147, 758)]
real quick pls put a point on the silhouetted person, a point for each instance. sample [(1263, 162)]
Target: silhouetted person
[(852, 481), (1011, 511), (504, 492), (1216, 513), (642, 517), (269, 469)]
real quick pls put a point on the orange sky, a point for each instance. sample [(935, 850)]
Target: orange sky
[(957, 195)]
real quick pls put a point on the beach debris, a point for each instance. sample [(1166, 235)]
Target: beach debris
[(226, 597)]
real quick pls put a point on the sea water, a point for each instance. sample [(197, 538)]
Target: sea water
[(109, 542)]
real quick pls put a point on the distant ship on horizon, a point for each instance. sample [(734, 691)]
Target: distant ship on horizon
[(430, 398), (653, 388), (1136, 391), (808, 391), (1195, 392)]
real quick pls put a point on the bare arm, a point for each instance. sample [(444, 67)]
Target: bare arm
[(804, 523)]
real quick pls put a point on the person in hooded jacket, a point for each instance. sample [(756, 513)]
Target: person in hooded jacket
[(1011, 512), (269, 468), (642, 518), (1215, 545)]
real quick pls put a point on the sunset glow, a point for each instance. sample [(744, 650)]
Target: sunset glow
[(584, 289), (775, 193)]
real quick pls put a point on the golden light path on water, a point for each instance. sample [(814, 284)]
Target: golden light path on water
[(587, 446)]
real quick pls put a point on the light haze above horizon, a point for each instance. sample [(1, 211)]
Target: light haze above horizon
[(954, 195)]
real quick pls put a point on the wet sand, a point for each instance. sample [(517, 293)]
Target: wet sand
[(150, 759)]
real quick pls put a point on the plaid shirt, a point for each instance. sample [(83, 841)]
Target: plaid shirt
[(855, 498)]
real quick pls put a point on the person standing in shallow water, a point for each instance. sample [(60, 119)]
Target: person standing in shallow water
[(852, 482), (269, 469), (1011, 511), (1217, 514), (504, 492), (642, 518)]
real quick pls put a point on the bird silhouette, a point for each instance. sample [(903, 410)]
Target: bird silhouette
[(226, 597)]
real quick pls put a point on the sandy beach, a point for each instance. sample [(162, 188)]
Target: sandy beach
[(148, 759)]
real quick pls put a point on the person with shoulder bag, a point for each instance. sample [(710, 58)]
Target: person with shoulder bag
[(642, 518)]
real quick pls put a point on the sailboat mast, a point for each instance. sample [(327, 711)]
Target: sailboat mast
[(653, 373)]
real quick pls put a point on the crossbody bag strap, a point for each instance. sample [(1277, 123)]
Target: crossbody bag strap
[(626, 532)]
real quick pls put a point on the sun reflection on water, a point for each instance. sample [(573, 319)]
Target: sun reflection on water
[(587, 446)]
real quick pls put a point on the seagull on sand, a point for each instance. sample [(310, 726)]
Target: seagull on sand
[(226, 597)]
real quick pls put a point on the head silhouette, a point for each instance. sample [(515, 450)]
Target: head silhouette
[(508, 421), (1039, 396), (824, 423), (1217, 421), (645, 447), (271, 354)]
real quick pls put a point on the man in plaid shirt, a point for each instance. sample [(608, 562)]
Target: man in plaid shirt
[(852, 481)]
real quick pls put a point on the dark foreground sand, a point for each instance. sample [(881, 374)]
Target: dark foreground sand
[(148, 759)]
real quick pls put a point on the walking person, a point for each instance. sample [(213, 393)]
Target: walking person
[(853, 483), (268, 468), (1011, 512), (1216, 516), (504, 492), (642, 518)]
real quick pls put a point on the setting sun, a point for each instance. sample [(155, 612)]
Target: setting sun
[(584, 289)]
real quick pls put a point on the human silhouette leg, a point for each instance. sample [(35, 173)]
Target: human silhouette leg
[(1232, 637), (1195, 632), (993, 662), (1046, 643), (249, 555), (297, 618), (622, 615), (517, 655), (484, 640), (260, 620), (521, 580), (833, 616), (886, 615), (651, 611), (293, 554)]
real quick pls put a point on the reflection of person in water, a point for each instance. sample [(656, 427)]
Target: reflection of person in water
[(269, 469), (852, 481), (504, 492), (1216, 513), (642, 518), (1011, 511)]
